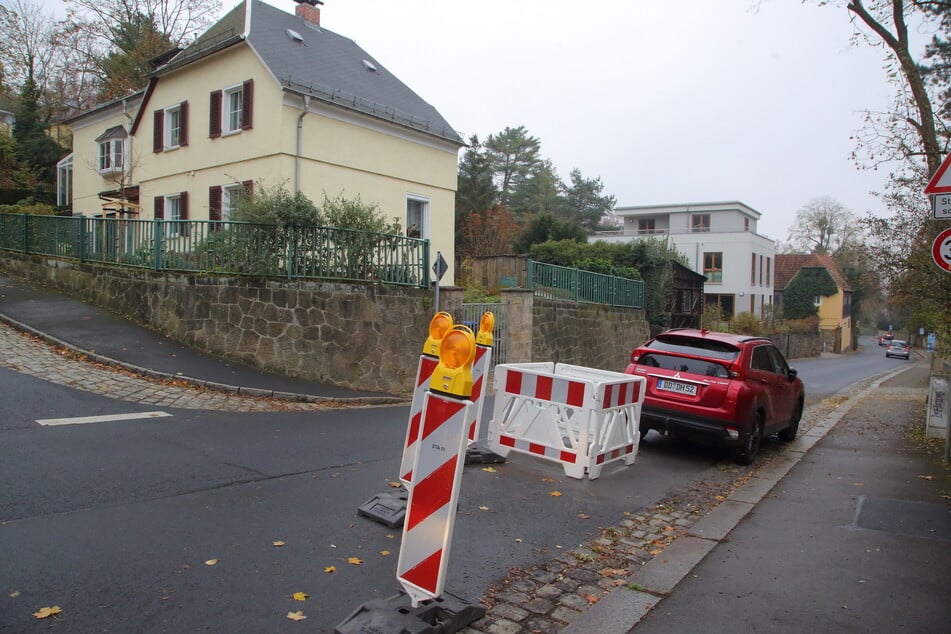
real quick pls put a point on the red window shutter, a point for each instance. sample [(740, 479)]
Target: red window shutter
[(183, 134), (214, 202), (247, 189), (158, 132), (183, 202), (214, 115), (247, 105), (159, 207)]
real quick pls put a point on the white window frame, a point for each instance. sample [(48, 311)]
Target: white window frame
[(230, 194), (110, 160), (422, 222), (172, 134), (64, 181), (228, 95), (173, 214)]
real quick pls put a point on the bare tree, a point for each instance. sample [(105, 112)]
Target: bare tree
[(823, 226), (178, 20), (27, 42)]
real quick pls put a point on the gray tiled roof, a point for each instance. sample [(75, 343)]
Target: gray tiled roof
[(326, 66)]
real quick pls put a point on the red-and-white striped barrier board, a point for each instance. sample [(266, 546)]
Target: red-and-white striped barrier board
[(545, 388), (527, 446), (424, 372), (483, 358), (431, 508)]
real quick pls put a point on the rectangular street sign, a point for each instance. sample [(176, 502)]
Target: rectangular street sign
[(941, 205)]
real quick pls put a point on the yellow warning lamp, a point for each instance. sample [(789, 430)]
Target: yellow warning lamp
[(486, 324), (438, 326), (453, 373)]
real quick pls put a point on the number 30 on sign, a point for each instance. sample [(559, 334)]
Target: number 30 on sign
[(941, 250)]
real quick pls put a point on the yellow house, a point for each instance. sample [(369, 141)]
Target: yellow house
[(268, 98), (834, 311)]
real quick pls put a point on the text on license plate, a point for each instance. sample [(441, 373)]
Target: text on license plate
[(675, 386)]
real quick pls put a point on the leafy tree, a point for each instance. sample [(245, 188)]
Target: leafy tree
[(277, 205), (585, 200), (546, 227), (475, 192), (127, 67), (514, 154), (13, 173), (539, 193), (823, 226), (34, 147)]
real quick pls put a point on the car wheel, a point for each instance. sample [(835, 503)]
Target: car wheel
[(789, 434), (747, 454)]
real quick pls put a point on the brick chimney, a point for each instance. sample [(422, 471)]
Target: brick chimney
[(308, 10)]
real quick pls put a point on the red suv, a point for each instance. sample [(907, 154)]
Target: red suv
[(734, 389)]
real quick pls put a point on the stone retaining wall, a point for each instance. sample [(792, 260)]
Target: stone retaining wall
[(365, 337)]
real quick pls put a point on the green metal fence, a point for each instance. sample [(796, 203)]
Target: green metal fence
[(232, 248), (559, 282)]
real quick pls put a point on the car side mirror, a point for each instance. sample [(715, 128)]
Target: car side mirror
[(792, 374)]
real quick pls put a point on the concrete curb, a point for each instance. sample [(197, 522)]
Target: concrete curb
[(201, 383), (624, 607)]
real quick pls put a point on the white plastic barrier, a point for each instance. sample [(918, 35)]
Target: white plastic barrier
[(580, 417)]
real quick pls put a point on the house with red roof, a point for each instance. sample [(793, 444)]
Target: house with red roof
[(834, 309)]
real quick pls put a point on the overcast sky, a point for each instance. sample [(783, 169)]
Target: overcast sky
[(667, 101)]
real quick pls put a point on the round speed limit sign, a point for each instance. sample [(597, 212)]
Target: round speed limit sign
[(941, 250)]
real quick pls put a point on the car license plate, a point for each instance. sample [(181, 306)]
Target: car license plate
[(675, 386)]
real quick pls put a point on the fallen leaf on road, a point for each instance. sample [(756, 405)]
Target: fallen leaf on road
[(300, 596), (548, 479), (656, 551), (612, 572), (296, 616), (395, 485), (354, 561), (14, 594), (555, 494), (590, 598), (488, 469), (211, 562), (718, 498), (483, 508), (277, 544), (47, 612), (385, 553), (858, 484), (330, 569), (926, 477), (584, 516)]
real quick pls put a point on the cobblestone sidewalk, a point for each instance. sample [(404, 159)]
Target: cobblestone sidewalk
[(30, 355)]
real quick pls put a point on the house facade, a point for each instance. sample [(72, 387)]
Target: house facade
[(266, 98), (834, 311), (719, 240)]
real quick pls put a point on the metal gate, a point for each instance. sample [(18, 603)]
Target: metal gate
[(472, 313)]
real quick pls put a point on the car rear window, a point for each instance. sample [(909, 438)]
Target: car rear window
[(684, 364), (898, 343), (694, 346)]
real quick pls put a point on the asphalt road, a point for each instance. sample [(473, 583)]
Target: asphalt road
[(115, 521)]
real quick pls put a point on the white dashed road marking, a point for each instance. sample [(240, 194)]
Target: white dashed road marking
[(79, 420)]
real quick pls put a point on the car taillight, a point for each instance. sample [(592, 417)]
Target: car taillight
[(634, 356)]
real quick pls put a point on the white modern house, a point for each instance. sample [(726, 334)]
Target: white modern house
[(720, 242)]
